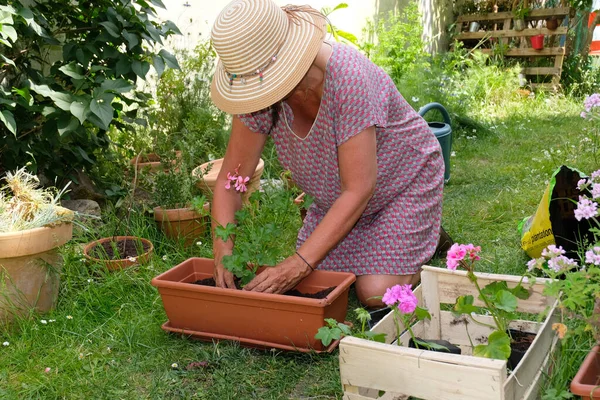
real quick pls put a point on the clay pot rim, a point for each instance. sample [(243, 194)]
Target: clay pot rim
[(161, 282), (185, 214), (95, 243), (580, 388), (196, 172)]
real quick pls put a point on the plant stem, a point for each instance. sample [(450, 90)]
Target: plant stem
[(487, 303), (406, 322)]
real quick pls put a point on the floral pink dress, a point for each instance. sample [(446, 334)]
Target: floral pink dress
[(398, 232)]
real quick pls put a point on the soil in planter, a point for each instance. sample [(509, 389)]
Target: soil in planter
[(521, 341), (124, 249), (318, 295)]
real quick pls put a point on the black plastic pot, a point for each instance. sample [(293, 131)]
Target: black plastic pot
[(516, 355)]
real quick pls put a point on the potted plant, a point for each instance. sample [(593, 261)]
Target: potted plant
[(120, 251), (206, 176), (483, 340), (520, 12), (174, 213), (265, 233), (32, 227)]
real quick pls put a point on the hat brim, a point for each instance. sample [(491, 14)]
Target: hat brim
[(295, 57)]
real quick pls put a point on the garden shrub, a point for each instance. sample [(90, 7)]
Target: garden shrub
[(68, 71)]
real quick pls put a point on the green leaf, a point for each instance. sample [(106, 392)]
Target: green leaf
[(140, 68), (344, 328), (326, 335), (123, 66), (62, 100), (170, 26), (73, 70), (111, 28), (491, 289), (103, 110), (464, 305), (6, 17), (7, 60), (376, 337), (505, 300), (348, 36), (66, 125), (80, 109), (159, 65), (132, 39), (116, 85), (520, 292), (9, 120), (84, 155), (158, 3), (10, 103), (422, 314), (169, 59), (498, 347), (226, 232), (340, 6), (9, 31), (430, 345)]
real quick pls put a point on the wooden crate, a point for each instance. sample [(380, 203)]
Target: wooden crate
[(367, 367)]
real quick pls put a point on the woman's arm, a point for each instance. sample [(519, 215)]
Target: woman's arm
[(357, 159), (244, 150)]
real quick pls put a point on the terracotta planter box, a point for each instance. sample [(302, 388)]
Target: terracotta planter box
[(182, 223), (587, 381), (367, 367), (30, 267), (254, 319)]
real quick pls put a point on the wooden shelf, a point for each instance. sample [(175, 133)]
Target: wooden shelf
[(500, 16), (541, 71), (547, 51), (511, 33)]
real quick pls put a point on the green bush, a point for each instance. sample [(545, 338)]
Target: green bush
[(68, 71)]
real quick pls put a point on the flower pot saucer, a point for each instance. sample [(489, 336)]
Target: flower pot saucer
[(258, 344)]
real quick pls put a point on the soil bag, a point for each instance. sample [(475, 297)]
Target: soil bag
[(554, 221)]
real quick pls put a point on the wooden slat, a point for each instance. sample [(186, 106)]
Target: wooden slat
[(420, 373), (541, 71), (431, 302), (511, 33), (548, 51), (545, 86), (519, 380), (535, 14), (452, 284)]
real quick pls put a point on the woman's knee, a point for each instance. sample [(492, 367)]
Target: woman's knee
[(370, 286)]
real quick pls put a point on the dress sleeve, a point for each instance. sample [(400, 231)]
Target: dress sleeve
[(361, 97), (259, 122)]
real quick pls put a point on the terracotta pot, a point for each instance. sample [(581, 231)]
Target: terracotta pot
[(151, 161), (253, 319), (117, 264), (182, 223), (537, 42), (207, 177), (30, 267), (552, 23), (586, 382)]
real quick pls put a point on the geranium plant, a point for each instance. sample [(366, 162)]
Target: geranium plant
[(499, 300), (264, 231)]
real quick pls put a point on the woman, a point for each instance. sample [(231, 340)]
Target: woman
[(344, 131)]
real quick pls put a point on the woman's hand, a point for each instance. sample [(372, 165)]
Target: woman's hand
[(223, 277), (281, 278)]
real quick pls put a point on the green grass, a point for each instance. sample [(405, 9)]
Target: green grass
[(113, 346)]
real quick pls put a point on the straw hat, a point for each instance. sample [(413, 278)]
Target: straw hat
[(264, 52)]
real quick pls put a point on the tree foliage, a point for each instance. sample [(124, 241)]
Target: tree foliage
[(68, 70)]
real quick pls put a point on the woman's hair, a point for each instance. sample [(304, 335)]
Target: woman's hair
[(275, 108)]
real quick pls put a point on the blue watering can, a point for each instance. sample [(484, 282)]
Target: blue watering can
[(443, 133)]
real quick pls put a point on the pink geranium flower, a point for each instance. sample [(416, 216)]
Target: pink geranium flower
[(240, 184), (402, 296)]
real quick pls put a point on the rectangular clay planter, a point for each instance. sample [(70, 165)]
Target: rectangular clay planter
[(587, 380), (367, 368), (252, 318)]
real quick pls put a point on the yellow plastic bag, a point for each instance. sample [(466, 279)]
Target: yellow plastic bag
[(554, 221)]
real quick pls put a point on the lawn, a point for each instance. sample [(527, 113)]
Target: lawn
[(104, 339)]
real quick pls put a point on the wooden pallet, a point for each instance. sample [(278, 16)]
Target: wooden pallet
[(502, 29)]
